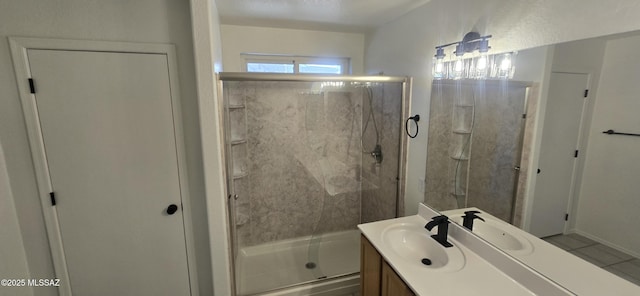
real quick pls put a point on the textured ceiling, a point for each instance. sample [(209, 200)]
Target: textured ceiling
[(343, 15)]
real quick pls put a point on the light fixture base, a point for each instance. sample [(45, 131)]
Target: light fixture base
[(471, 41)]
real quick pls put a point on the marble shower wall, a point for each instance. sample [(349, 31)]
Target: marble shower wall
[(485, 172), (440, 166), (496, 147), (303, 172)]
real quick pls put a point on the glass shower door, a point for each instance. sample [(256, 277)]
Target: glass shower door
[(303, 174), (369, 176), (333, 122)]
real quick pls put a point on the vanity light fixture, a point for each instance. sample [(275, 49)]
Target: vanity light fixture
[(480, 65)]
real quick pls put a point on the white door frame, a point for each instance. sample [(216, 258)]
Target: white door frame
[(19, 47), (208, 60)]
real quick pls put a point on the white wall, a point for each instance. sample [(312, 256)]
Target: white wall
[(160, 21), (530, 64), (12, 255), (609, 204), (246, 39), (406, 46)]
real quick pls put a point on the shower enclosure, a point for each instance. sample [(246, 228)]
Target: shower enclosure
[(308, 158), (475, 143)]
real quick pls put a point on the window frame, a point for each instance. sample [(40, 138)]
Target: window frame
[(296, 61)]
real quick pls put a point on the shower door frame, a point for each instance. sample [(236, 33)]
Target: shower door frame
[(406, 82)]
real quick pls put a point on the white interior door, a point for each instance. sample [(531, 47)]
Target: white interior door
[(560, 136), (108, 130)]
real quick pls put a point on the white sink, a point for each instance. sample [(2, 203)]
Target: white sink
[(498, 234), (413, 243)]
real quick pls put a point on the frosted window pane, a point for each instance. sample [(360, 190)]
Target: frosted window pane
[(320, 69), (269, 68)]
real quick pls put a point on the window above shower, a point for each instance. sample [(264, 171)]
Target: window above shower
[(290, 64)]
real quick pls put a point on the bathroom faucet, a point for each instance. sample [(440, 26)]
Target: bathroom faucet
[(442, 222), (468, 218)]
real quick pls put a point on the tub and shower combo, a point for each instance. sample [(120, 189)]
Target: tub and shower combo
[(308, 158)]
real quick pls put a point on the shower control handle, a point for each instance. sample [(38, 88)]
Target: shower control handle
[(172, 209)]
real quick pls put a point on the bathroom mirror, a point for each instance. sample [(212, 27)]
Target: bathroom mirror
[(566, 171)]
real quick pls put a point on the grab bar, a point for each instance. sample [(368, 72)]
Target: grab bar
[(612, 132)]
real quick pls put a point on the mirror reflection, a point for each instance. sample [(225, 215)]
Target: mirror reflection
[(555, 153)]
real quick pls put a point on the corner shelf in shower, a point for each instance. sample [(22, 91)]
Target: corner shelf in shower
[(462, 132), (240, 175), (335, 176), (241, 106), (462, 158), (238, 141)]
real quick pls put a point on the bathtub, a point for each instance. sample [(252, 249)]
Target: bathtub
[(323, 265)]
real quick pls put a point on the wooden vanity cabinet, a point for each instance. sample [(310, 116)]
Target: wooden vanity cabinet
[(370, 269), (377, 278), (392, 284)]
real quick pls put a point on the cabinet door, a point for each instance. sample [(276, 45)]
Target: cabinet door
[(370, 268), (392, 284)]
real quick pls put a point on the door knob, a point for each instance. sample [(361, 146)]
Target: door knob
[(172, 209)]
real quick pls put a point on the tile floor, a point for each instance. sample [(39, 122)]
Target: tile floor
[(614, 261)]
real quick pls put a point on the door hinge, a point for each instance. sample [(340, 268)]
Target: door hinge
[(524, 116), (575, 154), (566, 217), (53, 198), (586, 93), (32, 86)]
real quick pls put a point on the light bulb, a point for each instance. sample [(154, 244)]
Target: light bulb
[(438, 64), (438, 68), (458, 66), (505, 65), (481, 69), (482, 63)]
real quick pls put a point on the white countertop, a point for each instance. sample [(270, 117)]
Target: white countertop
[(572, 272), (477, 277)]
